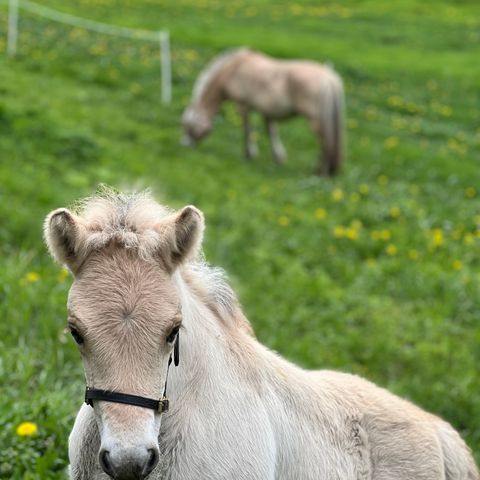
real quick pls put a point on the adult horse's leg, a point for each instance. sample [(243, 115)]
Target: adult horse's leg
[(278, 150), (251, 149)]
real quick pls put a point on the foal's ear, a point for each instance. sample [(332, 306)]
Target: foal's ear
[(63, 233), (182, 234)]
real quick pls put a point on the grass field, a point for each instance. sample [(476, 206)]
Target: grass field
[(376, 272)]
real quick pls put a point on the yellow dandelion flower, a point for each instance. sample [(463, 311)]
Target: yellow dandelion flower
[(371, 262), (468, 239), (391, 250), (457, 265), (412, 254), (351, 233), (414, 189), (356, 224), (382, 180), (391, 142), (32, 277), (134, 87), (395, 101), (62, 275), (457, 234), (385, 235), (445, 110), (452, 143), (437, 237), (394, 212), (355, 197), (470, 192), (339, 231), (27, 429), (337, 195), (320, 213), (283, 221), (371, 113), (364, 189), (190, 55)]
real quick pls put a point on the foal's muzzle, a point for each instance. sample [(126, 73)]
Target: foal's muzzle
[(129, 464)]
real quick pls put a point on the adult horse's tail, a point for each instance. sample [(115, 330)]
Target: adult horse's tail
[(332, 112)]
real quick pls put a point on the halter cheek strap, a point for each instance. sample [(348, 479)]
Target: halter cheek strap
[(160, 406)]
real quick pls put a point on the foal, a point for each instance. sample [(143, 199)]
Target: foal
[(142, 303), (277, 89)]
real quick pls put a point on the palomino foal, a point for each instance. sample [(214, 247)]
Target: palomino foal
[(237, 410), (277, 89)]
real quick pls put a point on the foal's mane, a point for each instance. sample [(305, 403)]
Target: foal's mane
[(212, 68), (128, 221)]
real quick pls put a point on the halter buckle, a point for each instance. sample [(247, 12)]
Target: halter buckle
[(163, 405)]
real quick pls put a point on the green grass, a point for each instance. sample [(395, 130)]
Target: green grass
[(376, 272)]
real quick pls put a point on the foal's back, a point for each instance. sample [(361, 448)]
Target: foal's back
[(392, 438)]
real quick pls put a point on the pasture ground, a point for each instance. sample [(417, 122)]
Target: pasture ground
[(376, 272)]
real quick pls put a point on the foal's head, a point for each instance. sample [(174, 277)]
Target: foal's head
[(124, 311)]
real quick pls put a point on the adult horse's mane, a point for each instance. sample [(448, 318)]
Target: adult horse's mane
[(212, 68), (131, 221)]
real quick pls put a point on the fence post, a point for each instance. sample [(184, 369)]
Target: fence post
[(12, 27), (166, 67)]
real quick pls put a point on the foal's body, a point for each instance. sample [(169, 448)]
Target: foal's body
[(277, 89), (279, 422), (238, 411)]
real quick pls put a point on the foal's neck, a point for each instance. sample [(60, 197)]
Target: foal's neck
[(216, 343)]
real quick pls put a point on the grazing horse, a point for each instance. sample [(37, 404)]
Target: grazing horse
[(277, 89), (144, 309)]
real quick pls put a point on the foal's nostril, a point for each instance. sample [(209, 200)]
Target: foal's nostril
[(105, 463), (152, 461)]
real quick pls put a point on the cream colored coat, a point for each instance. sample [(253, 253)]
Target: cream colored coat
[(238, 410)]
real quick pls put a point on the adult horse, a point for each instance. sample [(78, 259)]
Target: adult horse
[(277, 89), (237, 410)]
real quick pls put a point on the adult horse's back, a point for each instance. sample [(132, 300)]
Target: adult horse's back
[(277, 89), (144, 309)]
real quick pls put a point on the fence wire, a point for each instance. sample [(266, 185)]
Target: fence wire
[(161, 37)]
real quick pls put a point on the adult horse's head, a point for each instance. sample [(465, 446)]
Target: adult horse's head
[(124, 311), (196, 123)]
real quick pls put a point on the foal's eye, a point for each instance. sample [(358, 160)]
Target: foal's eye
[(173, 334), (76, 336)]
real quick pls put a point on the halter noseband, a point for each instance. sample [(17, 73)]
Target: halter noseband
[(160, 406)]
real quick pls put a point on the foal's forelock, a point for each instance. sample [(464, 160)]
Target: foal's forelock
[(136, 224)]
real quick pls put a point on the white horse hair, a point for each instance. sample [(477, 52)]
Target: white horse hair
[(238, 410)]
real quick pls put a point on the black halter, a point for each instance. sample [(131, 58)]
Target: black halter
[(160, 406)]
